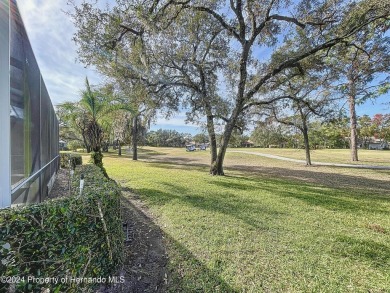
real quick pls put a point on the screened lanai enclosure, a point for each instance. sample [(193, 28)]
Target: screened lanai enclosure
[(29, 126)]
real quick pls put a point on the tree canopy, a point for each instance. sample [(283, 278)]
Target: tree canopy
[(219, 53)]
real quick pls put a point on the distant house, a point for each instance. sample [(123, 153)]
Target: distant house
[(63, 145), (378, 145), (247, 144)]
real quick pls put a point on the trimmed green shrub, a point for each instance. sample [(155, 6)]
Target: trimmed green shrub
[(75, 160), (77, 236), (97, 160)]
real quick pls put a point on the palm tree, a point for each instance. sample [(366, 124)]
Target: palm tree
[(95, 106), (99, 104)]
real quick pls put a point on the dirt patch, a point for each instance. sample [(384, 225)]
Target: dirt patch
[(61, 185), (145, 261)]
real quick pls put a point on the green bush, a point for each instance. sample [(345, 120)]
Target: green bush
[(75, 160), (74, 145), (77, 236), (97, 160)]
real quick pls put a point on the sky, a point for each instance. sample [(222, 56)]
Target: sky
[(50, 32)]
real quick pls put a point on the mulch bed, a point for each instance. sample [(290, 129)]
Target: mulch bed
[(144, 268), (61, 185)]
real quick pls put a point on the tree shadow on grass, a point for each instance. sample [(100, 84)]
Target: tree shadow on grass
[(329, 197), (226, 203), (313, 175), (233, 185), (115, 155), (150, 152), (335, 199), (189, 274), (362, 250), (359, 184), (146, 262), (179, 163), (142, 153)]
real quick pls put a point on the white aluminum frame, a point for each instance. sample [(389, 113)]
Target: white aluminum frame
[(5, 127)]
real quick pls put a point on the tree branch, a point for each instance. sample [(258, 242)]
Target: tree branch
[(218, 17), (268, 102), (288, 19), (129, 29), (294, 61)]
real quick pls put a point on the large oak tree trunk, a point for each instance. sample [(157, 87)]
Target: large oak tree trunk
[(209, 120), (305, 132), (212, 138), (135, 138), (307, 145), (353, 121), (217, 167)]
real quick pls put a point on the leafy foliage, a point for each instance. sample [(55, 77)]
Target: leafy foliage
[(67, 236), (197, 49), (97, 159), (167, 138), (333, 133), (75, 160)]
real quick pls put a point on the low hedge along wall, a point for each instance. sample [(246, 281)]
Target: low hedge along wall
[(68, 237), (75, 160)]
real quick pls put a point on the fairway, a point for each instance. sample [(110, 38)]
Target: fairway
[(343, 156), (256, 231)]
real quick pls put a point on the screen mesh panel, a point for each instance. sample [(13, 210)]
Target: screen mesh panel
[(34, 125)]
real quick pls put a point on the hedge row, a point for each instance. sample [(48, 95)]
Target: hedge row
[(75, 160), (71, 237)]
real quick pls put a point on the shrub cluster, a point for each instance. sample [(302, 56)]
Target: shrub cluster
[(75, 160), (77, 236), (97, 160)]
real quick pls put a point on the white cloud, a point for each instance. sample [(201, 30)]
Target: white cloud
[(50, 32), (176, 122)]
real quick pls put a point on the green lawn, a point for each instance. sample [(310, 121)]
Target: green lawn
[(256, 232), (366, 157)]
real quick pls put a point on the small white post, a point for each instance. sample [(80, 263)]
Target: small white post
[(81, 184), (70, 177)]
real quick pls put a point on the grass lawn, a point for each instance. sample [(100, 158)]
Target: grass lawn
[(366, 157), (252, 231)]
